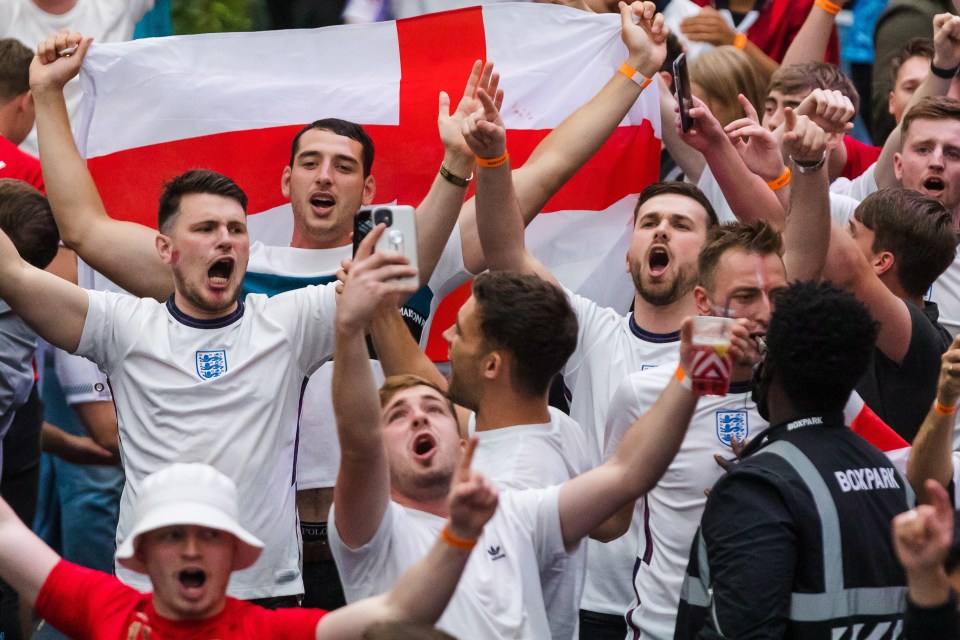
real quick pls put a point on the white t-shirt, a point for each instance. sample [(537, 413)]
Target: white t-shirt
[(610, 346), (105, 20), (945, 291), (841, 204), (500, 594), (670, 513), (858, 188), (534, 456), (223, 392), (531, 456)]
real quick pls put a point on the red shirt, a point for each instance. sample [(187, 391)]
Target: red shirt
[(83, 603), (777, 26), (18, 164), (859, 157)]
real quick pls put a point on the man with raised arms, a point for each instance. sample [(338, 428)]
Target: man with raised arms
[(188, 539), (397, 459), (327, 179)]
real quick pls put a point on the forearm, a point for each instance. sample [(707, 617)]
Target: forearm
[(768, 65), (747, 193), (499, 221), (398, 352), (362, 490), (928, 587), (437, 573), (438, 213), (588, 500), (65, 175), (571, 144), (931, 455), (810, 43), (807, 234)]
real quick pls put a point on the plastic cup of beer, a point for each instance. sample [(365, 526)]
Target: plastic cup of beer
[(711, 366)]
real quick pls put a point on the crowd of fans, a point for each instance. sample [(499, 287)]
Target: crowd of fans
[(209, 472)]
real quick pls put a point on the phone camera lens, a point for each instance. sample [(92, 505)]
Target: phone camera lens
[(383, 215)]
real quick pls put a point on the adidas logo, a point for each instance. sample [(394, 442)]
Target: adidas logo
[(495, 553)]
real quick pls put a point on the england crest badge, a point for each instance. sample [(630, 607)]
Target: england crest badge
[(732, 424), (211, 364)]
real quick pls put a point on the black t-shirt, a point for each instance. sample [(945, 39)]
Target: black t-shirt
[(902, 394)]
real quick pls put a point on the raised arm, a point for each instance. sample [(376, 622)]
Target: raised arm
[(123, 251), (922, 538), (710, 26), (931, 454), (571, 144), (746, 192), (946, 55), (644, 454), (51, 306), (438, 213), (807, 233), (848, 268), (810, 43), (25, 561), (423, 591), (362, 491)]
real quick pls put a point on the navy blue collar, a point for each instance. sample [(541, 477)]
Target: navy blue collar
[(197, 323), (647, 336), (741, 387)]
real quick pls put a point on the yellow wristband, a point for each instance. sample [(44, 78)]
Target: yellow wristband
[(493, 163), (740, 40), (830, 7), (454, 541), (682, 378), (944, 410), (780, 182), (642, 80)]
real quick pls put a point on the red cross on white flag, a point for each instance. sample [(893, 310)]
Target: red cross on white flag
[(233, 102)]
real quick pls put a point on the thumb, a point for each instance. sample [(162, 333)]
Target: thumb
[(444, 104)]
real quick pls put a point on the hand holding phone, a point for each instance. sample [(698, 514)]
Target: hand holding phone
[(399, 236)]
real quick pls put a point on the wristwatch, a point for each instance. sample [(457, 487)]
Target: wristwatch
[(807, 167)]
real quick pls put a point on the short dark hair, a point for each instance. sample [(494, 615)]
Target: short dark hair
[(916, 229), (929, 108), (529, 318), (191, 182), (25, 217), (803, 78), (341, 128), (15, 59), (820, 343), (914, 48), (679, 188), (759, 238)]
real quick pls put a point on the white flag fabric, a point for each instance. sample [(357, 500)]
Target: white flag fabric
[(232, 103)]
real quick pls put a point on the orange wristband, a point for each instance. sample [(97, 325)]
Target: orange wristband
[(945, 410), (493, 163), (830, 7), (780, 182), (642, 80), (454, 541), (740, 40), (682, 378)]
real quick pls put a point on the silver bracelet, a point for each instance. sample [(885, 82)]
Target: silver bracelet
[(809, 168)]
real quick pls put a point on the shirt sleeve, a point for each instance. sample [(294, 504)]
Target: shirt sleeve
[(291, 624), (76, 600), (82, 382), (594, 324), (752, 550), (112, 325), (308, 314)]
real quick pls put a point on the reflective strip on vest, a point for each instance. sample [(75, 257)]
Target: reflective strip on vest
[(836, 601)]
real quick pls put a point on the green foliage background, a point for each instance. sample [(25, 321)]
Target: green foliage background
[(215, 16)]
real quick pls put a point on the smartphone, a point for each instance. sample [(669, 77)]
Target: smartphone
[(400, 234), (681, 84)]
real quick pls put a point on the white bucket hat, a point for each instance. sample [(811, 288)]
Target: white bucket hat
[(188, 494)]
